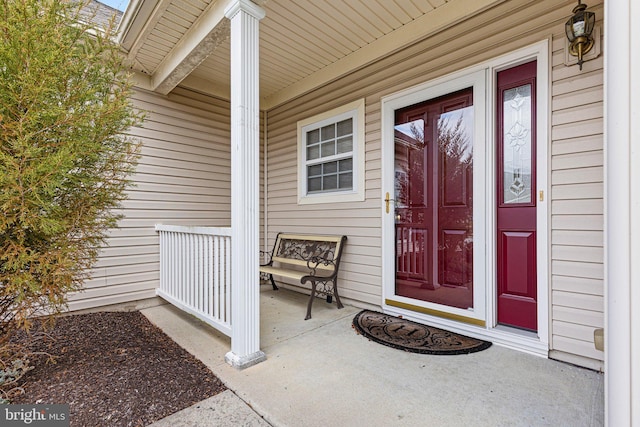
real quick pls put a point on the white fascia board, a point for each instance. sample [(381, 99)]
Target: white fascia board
[(204, 36), (126, 22), (433, 22)]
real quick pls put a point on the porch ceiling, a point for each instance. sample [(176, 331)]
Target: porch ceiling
[(303, 44)]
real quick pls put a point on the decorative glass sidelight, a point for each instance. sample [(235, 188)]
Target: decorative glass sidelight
[(516, 214), (517, 147)]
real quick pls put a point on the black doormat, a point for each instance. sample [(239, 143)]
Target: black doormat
[(413, 337)]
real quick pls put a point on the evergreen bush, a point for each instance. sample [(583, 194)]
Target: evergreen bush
[(65, 156)]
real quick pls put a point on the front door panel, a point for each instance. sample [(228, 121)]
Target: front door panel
[(434, 200), (516, 207)]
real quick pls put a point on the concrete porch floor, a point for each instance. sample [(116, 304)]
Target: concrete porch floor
[(319, 372)]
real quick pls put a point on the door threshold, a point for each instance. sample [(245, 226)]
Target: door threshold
[(504, 336), (517, 331)]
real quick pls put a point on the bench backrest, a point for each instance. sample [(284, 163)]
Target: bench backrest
[(296, 249)]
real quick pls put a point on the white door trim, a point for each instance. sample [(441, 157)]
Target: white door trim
[(480, 321)]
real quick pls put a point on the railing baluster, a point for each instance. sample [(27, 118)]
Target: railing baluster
[(202, 256), (216, 277), (171, 279), (209, 295), (227, 281), (200, 277), (190, 273), (168, 263), (163, 261), (208, 301), (183, 286)]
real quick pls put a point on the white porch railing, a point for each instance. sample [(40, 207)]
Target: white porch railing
[(195, 272)]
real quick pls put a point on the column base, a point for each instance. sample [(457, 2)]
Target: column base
[(243, 362)]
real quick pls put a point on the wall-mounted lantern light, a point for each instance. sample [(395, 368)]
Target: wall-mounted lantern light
[(579, 28)]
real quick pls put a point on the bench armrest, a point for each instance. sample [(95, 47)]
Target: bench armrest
[(265, 258), (314, 262)]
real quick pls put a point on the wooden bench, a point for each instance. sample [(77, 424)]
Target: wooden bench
[(307, 258)]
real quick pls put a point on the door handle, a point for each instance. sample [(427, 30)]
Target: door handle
[(387, 200)]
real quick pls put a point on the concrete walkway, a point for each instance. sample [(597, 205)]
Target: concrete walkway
[(319, 372)]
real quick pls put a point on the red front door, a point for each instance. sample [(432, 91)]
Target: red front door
[(434, 200), (516, 207)]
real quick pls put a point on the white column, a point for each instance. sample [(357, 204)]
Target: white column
[(622, 213), (245, 210)]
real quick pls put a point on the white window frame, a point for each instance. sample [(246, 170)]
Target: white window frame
[(355, 111)]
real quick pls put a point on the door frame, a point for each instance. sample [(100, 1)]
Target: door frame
[(482, 320)]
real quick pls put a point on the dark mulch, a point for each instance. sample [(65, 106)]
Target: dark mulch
[(115, 369)]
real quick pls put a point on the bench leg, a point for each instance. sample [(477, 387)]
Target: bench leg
[(273, 283), (335, 293), (313, 295)]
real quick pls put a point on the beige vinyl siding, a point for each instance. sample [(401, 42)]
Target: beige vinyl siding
[(183, 178), (576, 176), (360, 269), (577, 207)]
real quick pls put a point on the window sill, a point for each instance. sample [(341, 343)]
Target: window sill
[(336, 197)]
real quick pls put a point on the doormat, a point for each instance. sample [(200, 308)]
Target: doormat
[(413, 337)]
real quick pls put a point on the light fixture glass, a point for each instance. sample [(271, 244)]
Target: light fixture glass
[(579, 29)]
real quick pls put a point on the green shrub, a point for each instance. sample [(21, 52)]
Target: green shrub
[(65, 157)]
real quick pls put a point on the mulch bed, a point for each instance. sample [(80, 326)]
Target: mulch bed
[(115, 369)]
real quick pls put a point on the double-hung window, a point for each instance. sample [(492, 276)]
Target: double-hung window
[(331, 156)]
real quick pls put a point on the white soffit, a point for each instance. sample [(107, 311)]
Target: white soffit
[(303, 43), (403, 33)]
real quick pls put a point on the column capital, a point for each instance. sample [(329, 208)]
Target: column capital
[(246, 6)]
